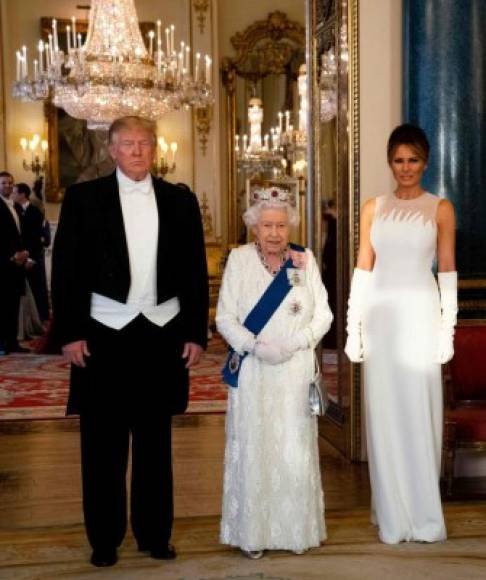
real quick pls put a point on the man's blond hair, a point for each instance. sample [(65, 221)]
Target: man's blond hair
[(132, 122)]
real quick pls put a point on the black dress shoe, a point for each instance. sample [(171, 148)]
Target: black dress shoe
[(104, 558), (163, 552), (18, 348)]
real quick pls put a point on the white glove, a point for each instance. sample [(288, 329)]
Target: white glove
[(354, 346), (357, 298), (298, 341), (271, 352), (448, 303), (249, 345)]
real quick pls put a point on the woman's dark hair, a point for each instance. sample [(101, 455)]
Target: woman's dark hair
[(412, 136), (23, 188)]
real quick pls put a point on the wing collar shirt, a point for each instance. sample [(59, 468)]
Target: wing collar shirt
[(10, 204), (141, 221)]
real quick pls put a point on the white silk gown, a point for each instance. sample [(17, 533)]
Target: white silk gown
[(272, 496), (403, 388)]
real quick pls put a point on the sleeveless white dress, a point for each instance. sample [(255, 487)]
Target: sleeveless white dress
[(272, 496), (403, 388)]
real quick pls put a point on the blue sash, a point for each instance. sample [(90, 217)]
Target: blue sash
[(259, 316)]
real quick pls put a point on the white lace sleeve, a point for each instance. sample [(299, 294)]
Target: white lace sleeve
[(322, 316), (228, 322)]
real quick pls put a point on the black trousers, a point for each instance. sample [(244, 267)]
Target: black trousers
[(9, 317), (38, 285), (126, 391), (104, 455)]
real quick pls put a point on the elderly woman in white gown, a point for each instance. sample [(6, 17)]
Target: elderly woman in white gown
[(273, 496)]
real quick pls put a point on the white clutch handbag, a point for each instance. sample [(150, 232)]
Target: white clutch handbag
[(318, 398)]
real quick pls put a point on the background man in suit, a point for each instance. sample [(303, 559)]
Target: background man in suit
[(13, 257), (130, 301), (32, 228)]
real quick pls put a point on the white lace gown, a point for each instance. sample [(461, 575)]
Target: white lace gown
[(272, 496), (403, 389)]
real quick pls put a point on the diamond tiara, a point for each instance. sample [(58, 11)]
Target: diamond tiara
[(269, 194)]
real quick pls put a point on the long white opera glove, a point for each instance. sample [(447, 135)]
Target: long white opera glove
[(271, 352), (448, 304), (356, 302)]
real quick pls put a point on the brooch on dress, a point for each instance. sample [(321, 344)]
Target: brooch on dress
[(295, 277), (295, 307)]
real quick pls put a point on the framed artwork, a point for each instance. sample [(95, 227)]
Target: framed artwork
[(76, 154)]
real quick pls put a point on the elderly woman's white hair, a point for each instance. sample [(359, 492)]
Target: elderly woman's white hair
[(270, 198)]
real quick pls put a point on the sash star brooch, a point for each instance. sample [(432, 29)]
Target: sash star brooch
[(295, 307)]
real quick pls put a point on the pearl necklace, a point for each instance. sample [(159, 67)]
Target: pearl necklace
[(268, 268)]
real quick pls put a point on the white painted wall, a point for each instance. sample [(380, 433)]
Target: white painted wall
[(380, 89), (380, 98)]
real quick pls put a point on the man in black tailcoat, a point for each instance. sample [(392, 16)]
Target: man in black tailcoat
[(32, 228), (130, 302), (13, 258)]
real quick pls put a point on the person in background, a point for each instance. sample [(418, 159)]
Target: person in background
[(33, 235), (13, 258)]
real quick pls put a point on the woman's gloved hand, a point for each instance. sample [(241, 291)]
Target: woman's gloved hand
[(448, 303), (271, 352), (357, 299), (298, 341)]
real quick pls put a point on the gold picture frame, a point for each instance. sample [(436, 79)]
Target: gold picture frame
[(334, 23)]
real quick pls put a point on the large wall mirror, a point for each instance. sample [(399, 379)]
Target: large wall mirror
[(263, 75), (336, 202)]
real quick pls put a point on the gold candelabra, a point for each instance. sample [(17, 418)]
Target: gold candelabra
[(165, 160), (33, 145)]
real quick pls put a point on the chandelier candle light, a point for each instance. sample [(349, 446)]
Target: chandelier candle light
[(113, 73)]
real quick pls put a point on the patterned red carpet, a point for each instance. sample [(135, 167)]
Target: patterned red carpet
[(35, 386)]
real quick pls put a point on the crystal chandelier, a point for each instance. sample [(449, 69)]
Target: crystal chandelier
[(328, 86), (296, 139), (333, 63), (256, 154), (113, 73)]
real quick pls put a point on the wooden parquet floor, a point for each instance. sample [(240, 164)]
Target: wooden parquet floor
[(42, 537)]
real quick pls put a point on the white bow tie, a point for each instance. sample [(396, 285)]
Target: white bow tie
[(137, 188)]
